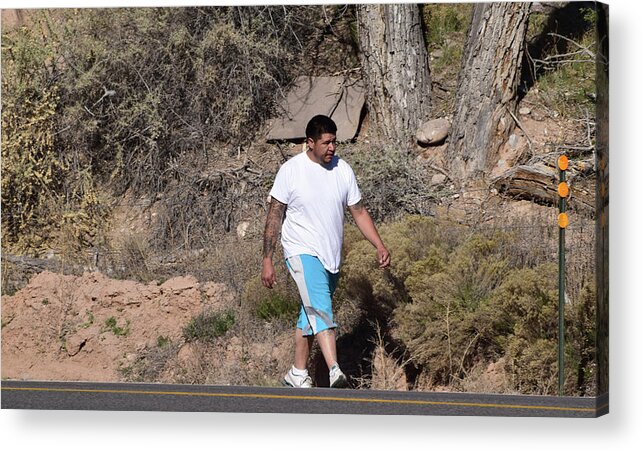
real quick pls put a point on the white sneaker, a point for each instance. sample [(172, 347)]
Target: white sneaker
[(337, 378), (293, 380)]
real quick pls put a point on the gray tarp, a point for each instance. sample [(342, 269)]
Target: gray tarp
[(338, 97)]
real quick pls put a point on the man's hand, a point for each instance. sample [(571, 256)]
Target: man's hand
[(383, 257), (268, 275)]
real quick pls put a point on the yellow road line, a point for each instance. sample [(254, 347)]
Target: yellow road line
[(310, 398)]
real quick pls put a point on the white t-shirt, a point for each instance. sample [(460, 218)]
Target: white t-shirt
[(316, 198)]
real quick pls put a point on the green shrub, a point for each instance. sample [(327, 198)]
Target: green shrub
[(532, 365), (49, 197), (111, 325), (441, 326), (524, 315), (456, 300), (443, 20), (90, 320), (524, 312), (163, 341), (277, 306), (209, 326), (412, 239), (280, 302), (581, 341)]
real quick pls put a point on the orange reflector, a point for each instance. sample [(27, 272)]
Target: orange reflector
[(562, 189), (562, 162), (562, 220)]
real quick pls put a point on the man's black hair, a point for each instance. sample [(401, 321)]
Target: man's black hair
[(319, 125)]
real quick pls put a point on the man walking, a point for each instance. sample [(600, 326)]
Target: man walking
[(312, 191)]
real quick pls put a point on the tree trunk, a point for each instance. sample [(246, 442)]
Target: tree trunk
[(487, 87), (394, 62)]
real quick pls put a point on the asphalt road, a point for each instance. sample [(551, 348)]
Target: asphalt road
[(202, 398)]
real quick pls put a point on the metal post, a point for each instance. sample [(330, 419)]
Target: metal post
[(562, 289)]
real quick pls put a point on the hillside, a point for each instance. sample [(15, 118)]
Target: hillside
[(92, 328)]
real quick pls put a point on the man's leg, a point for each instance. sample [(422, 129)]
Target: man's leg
[(298, 376), (302, 348), (328, 345), (316, 286)]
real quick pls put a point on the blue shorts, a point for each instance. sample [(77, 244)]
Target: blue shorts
[(316, 287)]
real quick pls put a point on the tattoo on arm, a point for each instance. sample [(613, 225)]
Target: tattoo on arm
[(356, 208), (273, 227)]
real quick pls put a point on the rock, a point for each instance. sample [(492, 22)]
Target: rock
[(178, 285), (241, 229), (186, 354), (75, 343), (545, 7), (524, 111), (513, 140), (438, 179), (133, 301), (433, 132), (217, 294), (536, 116)]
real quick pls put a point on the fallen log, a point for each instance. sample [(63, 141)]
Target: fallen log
[(538, 184)]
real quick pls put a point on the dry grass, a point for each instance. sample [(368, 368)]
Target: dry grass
[(387, 371)]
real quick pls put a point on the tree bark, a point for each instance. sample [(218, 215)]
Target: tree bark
[(487, 87), (394, 62)]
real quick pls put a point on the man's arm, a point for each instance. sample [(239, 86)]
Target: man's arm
[(270, 239), (366, 226)]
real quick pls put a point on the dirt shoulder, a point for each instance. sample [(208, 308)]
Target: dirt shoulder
[(87, 327)]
